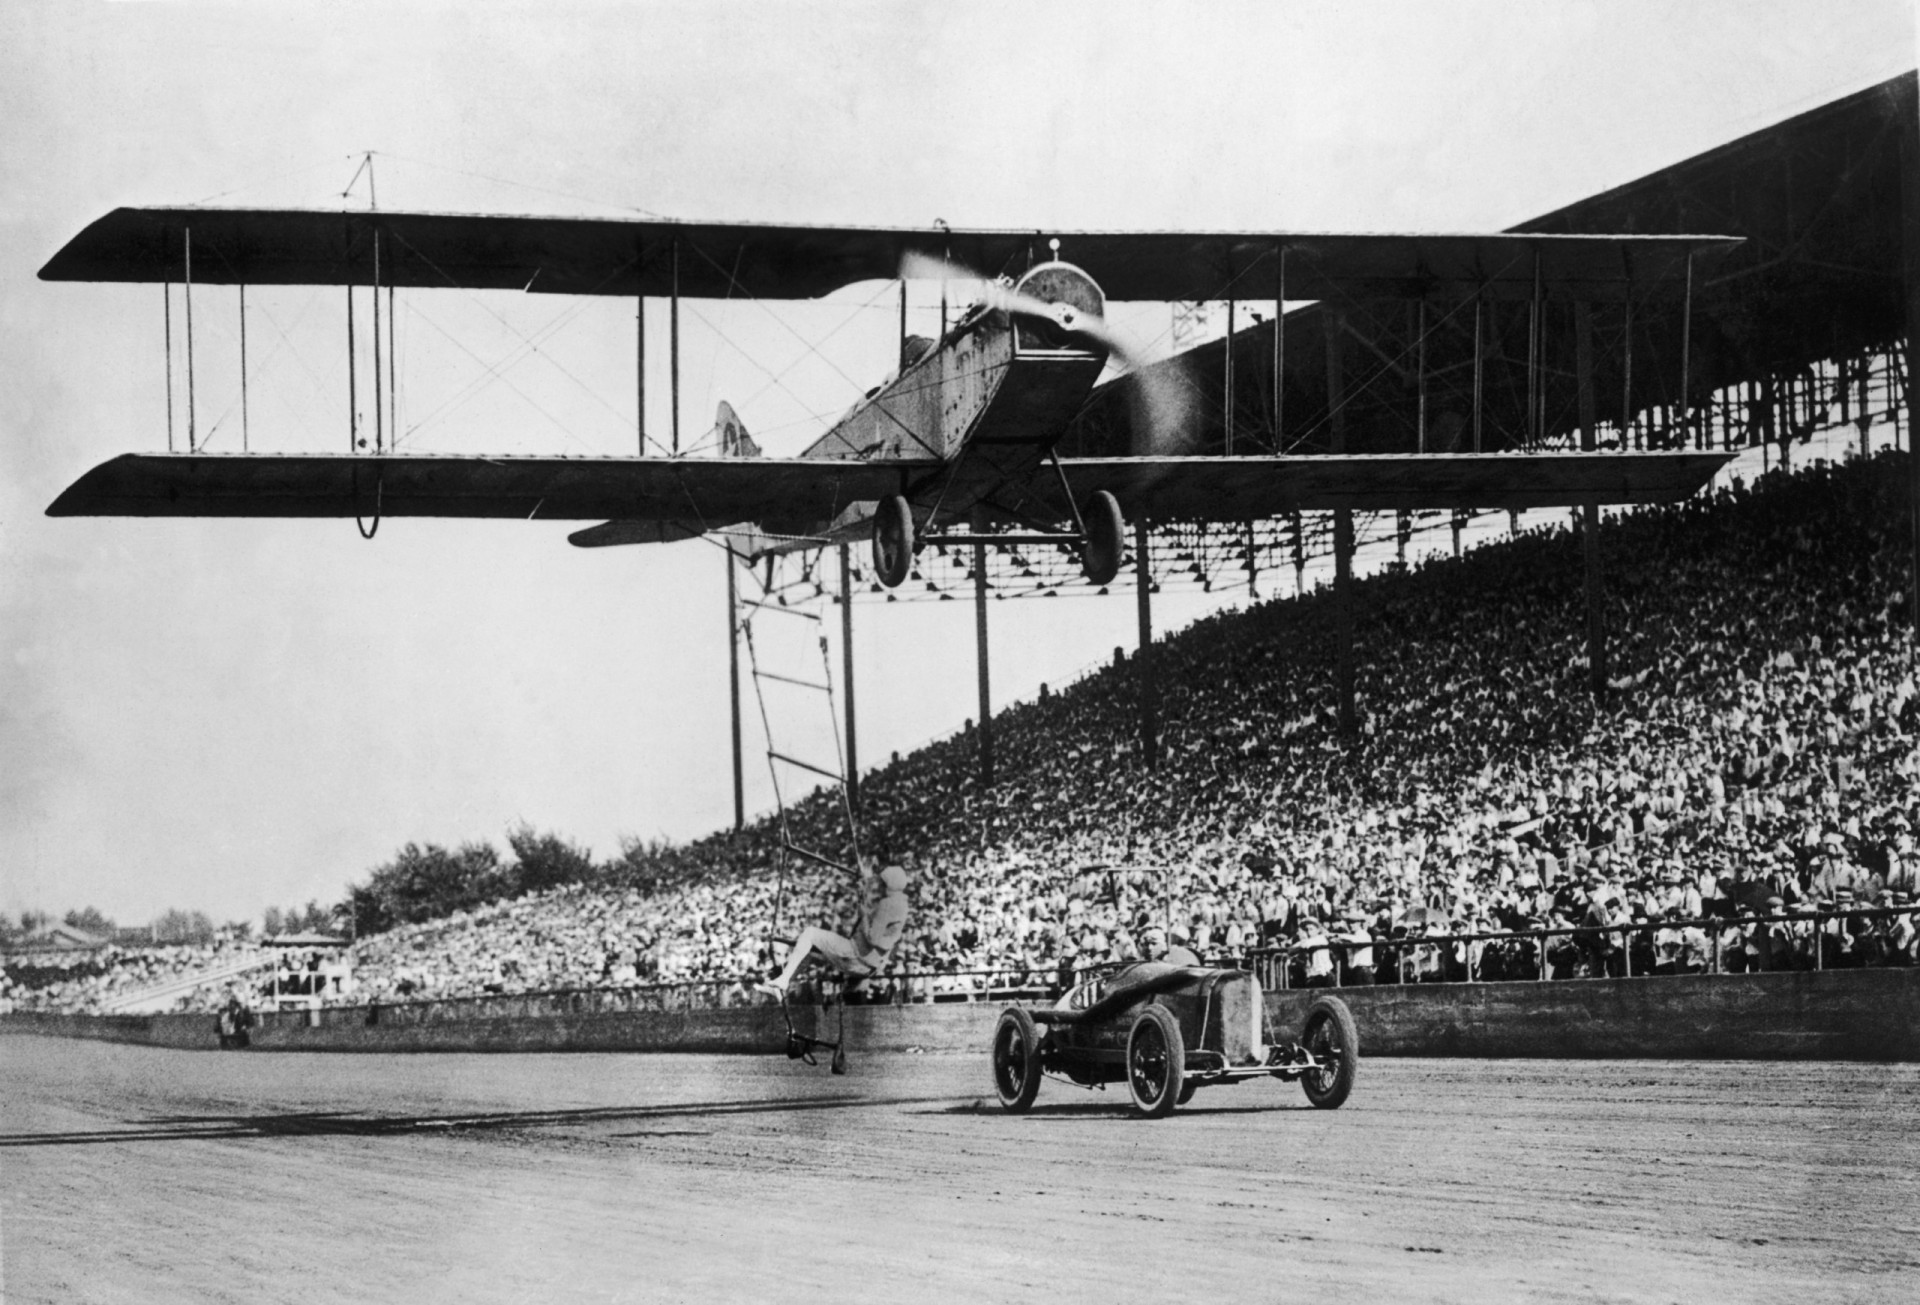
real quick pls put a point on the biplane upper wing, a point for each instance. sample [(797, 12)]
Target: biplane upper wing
[(612, 256), (705, 493), (696, 494)]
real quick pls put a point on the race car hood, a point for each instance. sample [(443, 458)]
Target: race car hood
[(1127, 986)]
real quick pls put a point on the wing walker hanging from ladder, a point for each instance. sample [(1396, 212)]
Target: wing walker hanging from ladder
[(800, 1046)]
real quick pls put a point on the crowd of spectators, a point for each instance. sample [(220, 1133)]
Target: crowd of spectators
[(90, 981), (1755, 758)]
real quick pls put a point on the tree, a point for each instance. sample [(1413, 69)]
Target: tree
[(425, 883), (91, 920), (543, 861), (176, 926), (640, 864)]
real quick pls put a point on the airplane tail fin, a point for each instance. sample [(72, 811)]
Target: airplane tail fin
[(732, 433)]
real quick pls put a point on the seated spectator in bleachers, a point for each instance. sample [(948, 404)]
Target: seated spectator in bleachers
[(1358, 945)]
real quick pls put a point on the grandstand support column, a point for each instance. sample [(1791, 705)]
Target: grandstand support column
[(1343, 608), (640, 359), (846, 673), (980, 654), (1226, 403), (1590, 512), (1342, 525), (1910, 267), (1279, 345), (733, 689), (1143, 660)]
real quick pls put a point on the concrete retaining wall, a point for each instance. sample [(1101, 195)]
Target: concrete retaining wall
[(1830, 1015), (1843, 1015)]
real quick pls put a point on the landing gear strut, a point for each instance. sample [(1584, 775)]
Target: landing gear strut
[(1101, 536)]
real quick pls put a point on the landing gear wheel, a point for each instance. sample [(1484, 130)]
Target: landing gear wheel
[(1106, 538), (839, 1062), (1016, 1060), (1156, 1061), (1333, 1039), (892, 541)]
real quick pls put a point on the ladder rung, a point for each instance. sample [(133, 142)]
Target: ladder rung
[(805, 765), (788, 679), (815, 857), (775, 607)]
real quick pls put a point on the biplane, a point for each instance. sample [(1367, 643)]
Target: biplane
[(964, 438)]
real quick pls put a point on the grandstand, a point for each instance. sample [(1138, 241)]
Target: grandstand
[(127, 977), (1759, 743)]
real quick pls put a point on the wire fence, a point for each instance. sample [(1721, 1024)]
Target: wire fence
[(1813, 939), (1809, 939)]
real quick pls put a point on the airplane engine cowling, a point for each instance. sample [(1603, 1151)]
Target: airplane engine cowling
[(1072, 293)]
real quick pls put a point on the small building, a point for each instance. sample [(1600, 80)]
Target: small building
[(309, 971)]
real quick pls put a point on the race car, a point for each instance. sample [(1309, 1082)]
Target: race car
[(1169, 1030)]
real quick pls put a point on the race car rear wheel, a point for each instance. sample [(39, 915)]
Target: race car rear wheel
[(892, 541), (1156, 1061), (1016, 1060), (1334, 1040)]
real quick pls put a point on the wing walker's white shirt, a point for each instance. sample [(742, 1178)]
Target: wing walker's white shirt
[(880, 932)]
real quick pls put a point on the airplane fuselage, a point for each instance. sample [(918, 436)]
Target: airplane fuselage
[(1000, 386)]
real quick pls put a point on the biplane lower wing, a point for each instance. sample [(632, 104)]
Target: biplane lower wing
[(1256, 488), (647, 500)]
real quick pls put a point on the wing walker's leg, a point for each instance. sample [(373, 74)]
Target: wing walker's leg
[(799, 1045)]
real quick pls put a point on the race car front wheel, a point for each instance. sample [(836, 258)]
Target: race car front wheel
[(1156, 1061), (1016, 1060), (1334, 1041)]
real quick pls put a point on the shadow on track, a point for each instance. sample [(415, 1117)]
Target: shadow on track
[(202, 1128), (1094, 1108)]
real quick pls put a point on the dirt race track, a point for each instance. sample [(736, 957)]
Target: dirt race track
[(134, 1174)]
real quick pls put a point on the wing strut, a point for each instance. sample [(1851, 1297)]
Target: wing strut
[(189, 298)]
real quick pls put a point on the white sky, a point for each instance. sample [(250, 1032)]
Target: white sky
[(227, 715)]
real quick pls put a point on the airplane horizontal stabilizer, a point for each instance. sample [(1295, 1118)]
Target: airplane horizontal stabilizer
[(610, 534)]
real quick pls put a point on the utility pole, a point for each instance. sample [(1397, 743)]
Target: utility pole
[(1143, 660), (733, 689), (980, 653)]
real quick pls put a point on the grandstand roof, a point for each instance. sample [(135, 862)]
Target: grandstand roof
[(1816, 199)]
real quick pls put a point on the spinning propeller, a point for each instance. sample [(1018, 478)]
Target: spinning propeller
[(1160, 401)]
